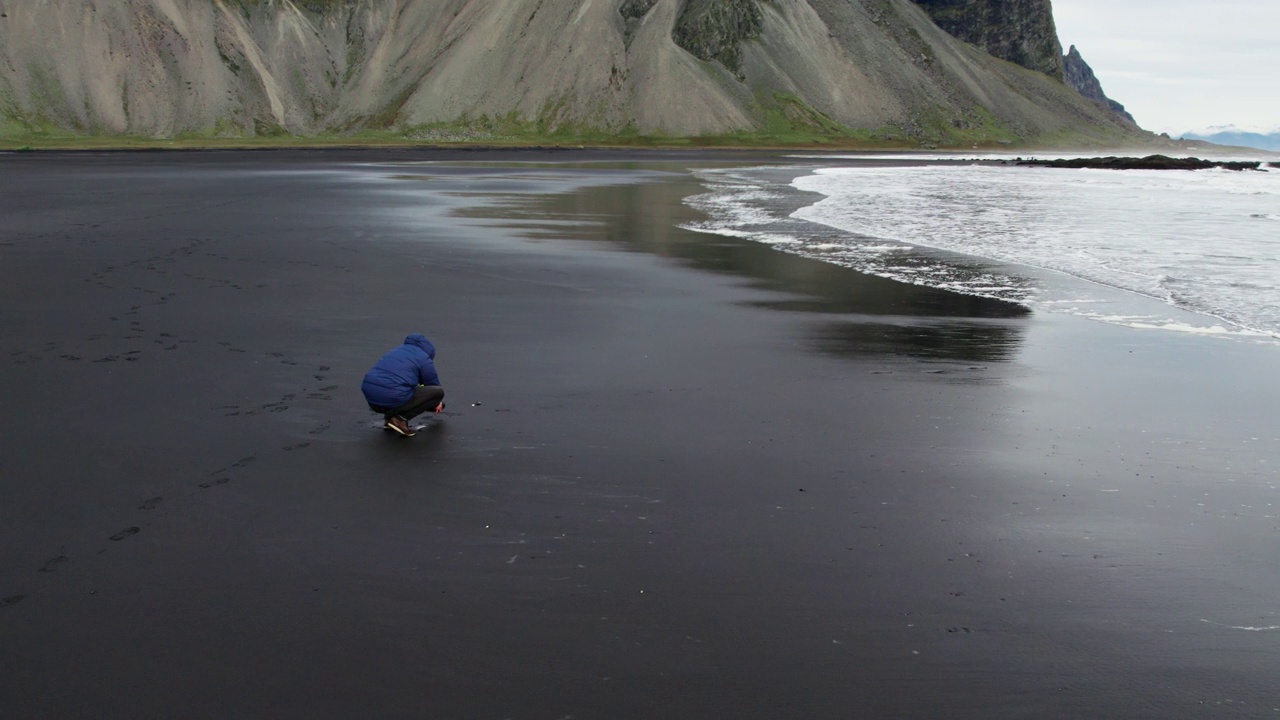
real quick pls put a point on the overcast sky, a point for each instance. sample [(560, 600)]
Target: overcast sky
[(1181, 65)]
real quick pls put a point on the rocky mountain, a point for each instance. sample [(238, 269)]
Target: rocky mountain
[(1080, 76), (763, 70), (1020, 31)]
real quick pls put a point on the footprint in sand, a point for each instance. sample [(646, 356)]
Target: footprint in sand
[(126, 533), (150, 503), (11, 600), (216, 481), (53, 563)]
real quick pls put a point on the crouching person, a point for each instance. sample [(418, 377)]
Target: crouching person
[(403, 384)]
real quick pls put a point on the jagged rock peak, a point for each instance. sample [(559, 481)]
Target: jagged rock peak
[(712, 29), (633, 9), (1020, 31), (1080, 77), (633, 12)]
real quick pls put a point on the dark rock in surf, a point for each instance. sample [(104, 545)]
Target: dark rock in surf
[(1151, 162)]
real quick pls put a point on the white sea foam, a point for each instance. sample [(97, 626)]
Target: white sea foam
[(1247, 628), (1086, 242)]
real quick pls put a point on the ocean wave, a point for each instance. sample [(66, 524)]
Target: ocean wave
[(995, 231)]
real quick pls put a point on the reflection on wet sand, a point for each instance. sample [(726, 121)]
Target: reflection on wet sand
[(877, 316), (948, 341)]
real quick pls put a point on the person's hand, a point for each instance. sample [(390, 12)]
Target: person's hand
[(440, 407)]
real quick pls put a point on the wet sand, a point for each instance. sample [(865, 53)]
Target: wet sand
[(679, 476)]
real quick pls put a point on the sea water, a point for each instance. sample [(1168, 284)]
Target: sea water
[(1187, 251)]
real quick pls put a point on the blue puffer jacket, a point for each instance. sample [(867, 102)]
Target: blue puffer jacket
[(391, 381)]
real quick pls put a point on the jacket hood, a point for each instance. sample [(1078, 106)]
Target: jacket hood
[(422, 342)]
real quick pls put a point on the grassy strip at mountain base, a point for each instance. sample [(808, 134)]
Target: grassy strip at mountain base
[(975, 128), (787, 121), (787, 124), (452, 136)]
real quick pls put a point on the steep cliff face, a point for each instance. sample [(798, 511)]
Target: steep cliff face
[(713, 29), (1080, 76), (869, 69), (1020, 31)]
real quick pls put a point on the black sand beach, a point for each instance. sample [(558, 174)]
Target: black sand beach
[(679, 476)]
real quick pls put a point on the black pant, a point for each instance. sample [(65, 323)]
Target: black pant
[(425, 397)]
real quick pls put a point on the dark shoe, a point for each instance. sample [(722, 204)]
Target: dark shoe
[(399, 425)]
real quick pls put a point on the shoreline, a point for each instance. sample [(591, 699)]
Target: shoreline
[(34, 143), (678, 475)]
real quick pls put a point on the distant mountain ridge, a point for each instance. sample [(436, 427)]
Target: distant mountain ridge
[(1237, 137), (867, 70)]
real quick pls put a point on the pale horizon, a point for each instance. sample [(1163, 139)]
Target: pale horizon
[(1181, 65)]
